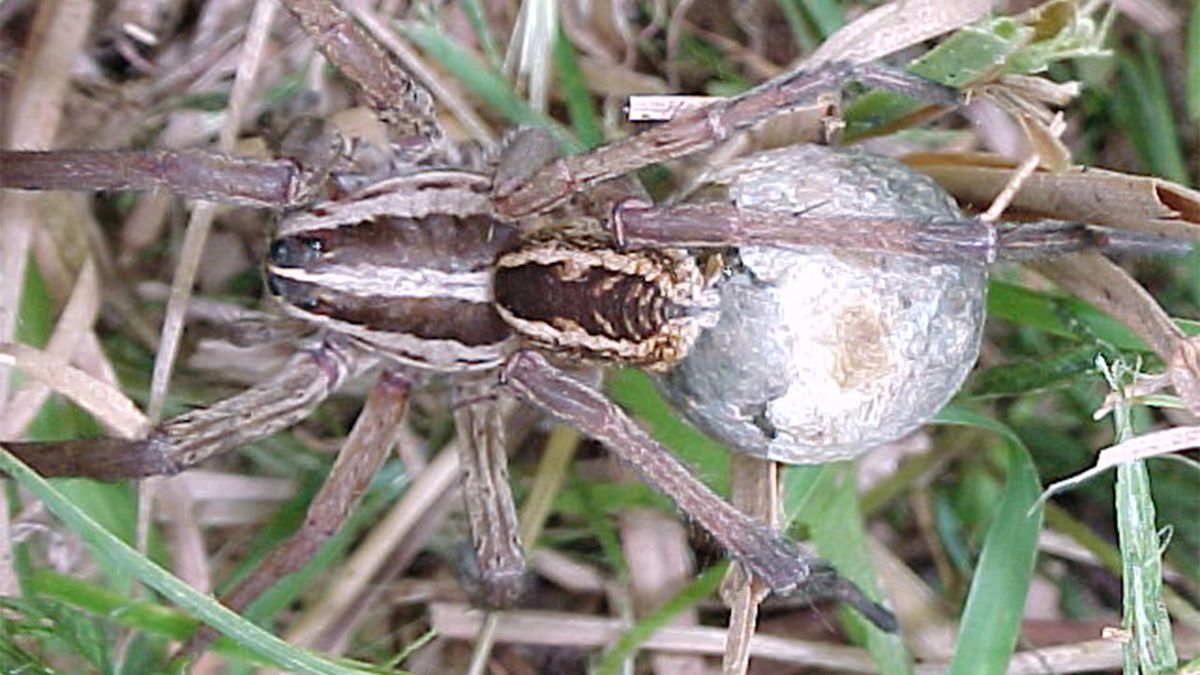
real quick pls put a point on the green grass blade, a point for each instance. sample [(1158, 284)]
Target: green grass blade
[(1068, 317), (1143, 111), (825, 498), (142, 615), (580, 110), (1193, 67), (703, 586), (826, 15), (1033, 374), (992, 615), (204, 607), (484, 82), (633, 390), (1149, 648), (483, 31)]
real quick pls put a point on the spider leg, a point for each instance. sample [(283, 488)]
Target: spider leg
[(637, 224), (403, 104), (716, 225), (531, 149), (701, 129), (184, 441), (191, 173), (483, 455), (361, 455), (779, 563)]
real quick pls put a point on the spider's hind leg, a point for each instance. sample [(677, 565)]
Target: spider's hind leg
[(783, 566)]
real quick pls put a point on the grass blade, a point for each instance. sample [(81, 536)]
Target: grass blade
[(1143, 111), (825, 498), (992, 615), (105, 545), (704, 585), (1149, 648), (484, 82)]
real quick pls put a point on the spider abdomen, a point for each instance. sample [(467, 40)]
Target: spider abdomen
[(570, 296)]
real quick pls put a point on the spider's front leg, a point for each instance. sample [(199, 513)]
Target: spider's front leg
[(359, 459), (401, 103), (307, 379), (192, 173), (780, 564), (701, 129)]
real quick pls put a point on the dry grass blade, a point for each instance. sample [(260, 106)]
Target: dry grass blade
[(1154, 444), (201, 216), (895, 26), (109, 405), (584, 631), (755, 490), (73, 325), (1139, 203)]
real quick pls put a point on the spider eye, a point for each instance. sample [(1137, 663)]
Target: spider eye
[(296, 251), (295, 293)]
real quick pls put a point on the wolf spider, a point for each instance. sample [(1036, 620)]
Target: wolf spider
[(459, 273)]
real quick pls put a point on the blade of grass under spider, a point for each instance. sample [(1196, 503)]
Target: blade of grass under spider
[(991, 617), (204, 607), (704, 586), (483, 81), (1149, 648), (825, 498)]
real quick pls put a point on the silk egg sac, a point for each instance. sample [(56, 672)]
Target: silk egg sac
[(820, 355)]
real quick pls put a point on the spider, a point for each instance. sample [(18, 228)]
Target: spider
[(472, 276)]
